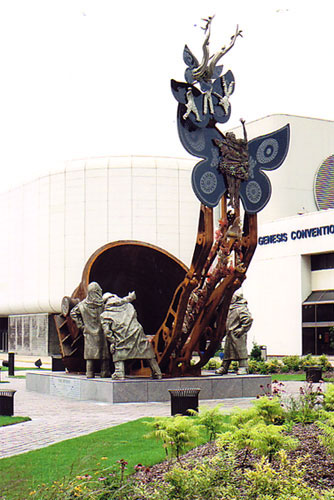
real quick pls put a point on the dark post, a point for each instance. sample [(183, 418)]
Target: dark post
[(7, 402), (11, 356), (313, 373)]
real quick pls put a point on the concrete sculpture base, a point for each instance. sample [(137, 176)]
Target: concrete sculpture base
[(135, 390)]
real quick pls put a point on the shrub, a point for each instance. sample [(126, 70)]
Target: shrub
[(210, 418), (263, 367), (269, 409), (212, 479), (253, 429), (325, 363), (329, 398), (273, 366), (308, 360), (177, 433), (102, 484), (238, 438), (268, 440), (284, 483), (213, 364), (288, 364), (327, 436), (265, 440), (307, 407), (292, 362), (265, 409), (255, 353), (253, 366), (218, 477), (240, 417)]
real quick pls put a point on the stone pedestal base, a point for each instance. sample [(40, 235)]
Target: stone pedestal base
[(135, 390)]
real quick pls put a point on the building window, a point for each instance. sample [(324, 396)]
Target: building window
[(325, 313), (318, 340), (322, 261), (308, 344), (318, 324), (3, 334), (308, 314)]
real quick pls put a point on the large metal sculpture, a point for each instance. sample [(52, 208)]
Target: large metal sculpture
[(230, 169)]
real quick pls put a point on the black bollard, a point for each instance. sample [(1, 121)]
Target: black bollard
[(11, 361)]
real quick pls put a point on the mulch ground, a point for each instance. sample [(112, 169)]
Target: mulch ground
[(318, 464)]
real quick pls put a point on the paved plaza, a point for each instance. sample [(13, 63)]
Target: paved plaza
[(55, 419)]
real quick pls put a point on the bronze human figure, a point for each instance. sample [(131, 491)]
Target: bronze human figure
[(125, 334), (238, 323), (86, 315)]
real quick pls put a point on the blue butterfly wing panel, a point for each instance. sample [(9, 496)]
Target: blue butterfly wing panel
[(267, 152), (207, 182)]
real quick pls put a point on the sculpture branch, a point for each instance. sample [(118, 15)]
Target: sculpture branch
[(200, 71), (222, 52)]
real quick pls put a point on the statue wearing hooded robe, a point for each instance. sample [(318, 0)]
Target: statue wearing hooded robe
[(87, 316), (238, 323), (125, 334)]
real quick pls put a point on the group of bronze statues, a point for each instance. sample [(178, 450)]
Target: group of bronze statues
[(110, 326)]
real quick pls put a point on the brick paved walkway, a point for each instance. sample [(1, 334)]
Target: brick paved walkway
[(55, 419)]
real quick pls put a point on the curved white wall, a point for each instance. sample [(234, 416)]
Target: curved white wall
[(51, 226)]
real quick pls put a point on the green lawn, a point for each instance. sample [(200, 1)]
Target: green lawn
[(299, 377), (281, 377), (4, 420), (23, 368), (18, 369), (22, 473)]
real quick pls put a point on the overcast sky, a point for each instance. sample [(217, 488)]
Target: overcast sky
[(83, 78)]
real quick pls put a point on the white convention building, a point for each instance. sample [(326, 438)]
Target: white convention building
[(290, 282), (52, 225)]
